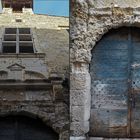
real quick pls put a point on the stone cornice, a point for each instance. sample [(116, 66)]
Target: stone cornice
[(26, 55), (31, 84)]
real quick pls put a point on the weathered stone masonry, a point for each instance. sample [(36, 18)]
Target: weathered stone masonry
[(35, 84), (90, 20)]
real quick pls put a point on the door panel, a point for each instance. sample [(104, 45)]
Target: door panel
[(115, 84), (24, 128), (109, 85), (135, 90)]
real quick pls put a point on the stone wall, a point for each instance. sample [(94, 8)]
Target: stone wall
[(50, 36), (55, 44), (43, 104), (35, 84), (90, 20), (28, 19)]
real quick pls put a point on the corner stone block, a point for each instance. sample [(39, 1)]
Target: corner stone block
[(120, 3), (96, 138), (111, 138), (79, 97), (64, 135), (80, 113), (80, 81), (77, 138), (79, 128), (126, 139)]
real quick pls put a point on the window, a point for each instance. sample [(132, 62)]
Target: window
[(18, 20), (17, 40)]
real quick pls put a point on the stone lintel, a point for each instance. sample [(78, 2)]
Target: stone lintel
[(77, 138), (28, 84), (27, 55)]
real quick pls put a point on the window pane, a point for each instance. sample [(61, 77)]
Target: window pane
[(9, 37), (26, 48), (25, 38), (9, 47), (24, 30), (10, 31)]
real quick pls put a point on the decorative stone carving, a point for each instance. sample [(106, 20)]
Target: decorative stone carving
[(16, 67)]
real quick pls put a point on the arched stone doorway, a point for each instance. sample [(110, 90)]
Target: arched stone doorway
[(25, 128), (115, 84)]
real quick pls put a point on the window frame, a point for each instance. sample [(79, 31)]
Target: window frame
[(25, 32)]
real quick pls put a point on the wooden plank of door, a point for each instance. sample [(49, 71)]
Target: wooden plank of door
[(109, 85), (135, 85)]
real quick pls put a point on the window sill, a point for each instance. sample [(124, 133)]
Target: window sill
[(17, 84), (23, 55)]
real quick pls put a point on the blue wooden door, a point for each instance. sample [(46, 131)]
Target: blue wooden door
[(135, 85), (115, 80)]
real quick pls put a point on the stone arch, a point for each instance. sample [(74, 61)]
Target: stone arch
[(94, 36), (32, 123), (83, 44), (83, 55), (35, 112)]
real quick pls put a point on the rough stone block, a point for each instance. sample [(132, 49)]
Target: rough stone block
[(80, 55), (80, 113), (7, 10), (78, 67), (111, 138), (80, 81), (136, 11), (27, 10), (79, 97), (96, 138), (57, 91), (77, 138), (64, 135), (79, 128), (100, 12), (124, 139), (120, 3)]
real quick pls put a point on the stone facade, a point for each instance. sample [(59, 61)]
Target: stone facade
[(36, 84), (90, 20)]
